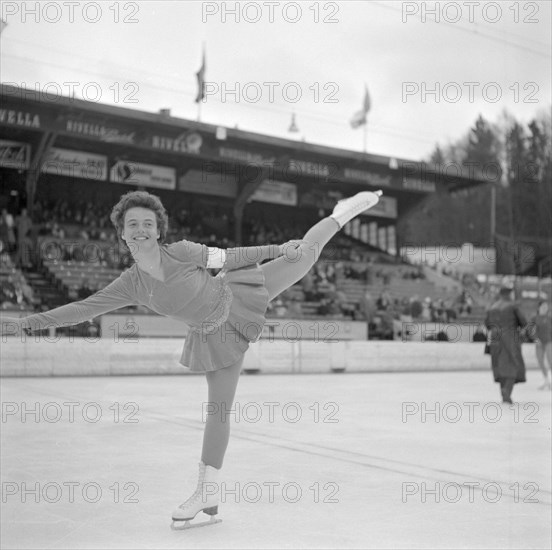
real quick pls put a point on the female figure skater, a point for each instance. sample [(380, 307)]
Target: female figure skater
[(225, 313)]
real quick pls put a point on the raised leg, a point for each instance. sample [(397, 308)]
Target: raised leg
[(285, 271)]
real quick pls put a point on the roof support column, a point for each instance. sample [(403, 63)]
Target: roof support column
[(33, 173)]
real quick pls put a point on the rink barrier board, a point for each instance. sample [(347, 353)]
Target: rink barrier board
[(148, 356)]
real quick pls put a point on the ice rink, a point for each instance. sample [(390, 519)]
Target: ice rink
[(390, 460)]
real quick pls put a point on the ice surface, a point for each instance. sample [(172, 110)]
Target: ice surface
[(315, 461)]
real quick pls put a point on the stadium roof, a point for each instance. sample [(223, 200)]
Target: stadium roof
[(115, 125)]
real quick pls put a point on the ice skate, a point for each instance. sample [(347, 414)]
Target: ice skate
[(205, 499), (345, 210)]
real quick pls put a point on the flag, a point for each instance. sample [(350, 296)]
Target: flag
[(200, 75), (3, 25), (359, 118)]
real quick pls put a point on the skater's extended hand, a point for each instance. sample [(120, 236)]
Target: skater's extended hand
[(289, 248)]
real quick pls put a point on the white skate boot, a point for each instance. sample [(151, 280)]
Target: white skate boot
[(205, 498), (345, 210)]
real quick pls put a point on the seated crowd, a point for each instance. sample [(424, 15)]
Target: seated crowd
[(15, 291)]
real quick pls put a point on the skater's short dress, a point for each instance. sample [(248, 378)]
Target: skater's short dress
[(224, 313)]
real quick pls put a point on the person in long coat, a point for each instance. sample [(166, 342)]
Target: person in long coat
[(505, 321)]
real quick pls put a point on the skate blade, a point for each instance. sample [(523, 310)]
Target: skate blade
[(183, 525)]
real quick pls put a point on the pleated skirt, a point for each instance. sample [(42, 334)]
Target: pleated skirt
[(222, 346)]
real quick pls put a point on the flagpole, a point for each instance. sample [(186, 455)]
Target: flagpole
[(201, 83)]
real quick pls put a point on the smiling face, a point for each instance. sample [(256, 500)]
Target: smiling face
[(140, 230)]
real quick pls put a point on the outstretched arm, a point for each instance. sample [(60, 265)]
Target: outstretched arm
[(231, 258), (235, 258), (113, 296)]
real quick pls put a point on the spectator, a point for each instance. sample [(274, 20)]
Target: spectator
[(279, 307), (7, 231), (294, 309), (8, 295), (415, 307), (383, 302), (57, 231), (24, 226), (504, 321)]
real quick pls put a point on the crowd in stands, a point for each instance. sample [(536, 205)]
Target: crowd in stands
[(92, 218), (415, 308), (15, 291), (371, 273)]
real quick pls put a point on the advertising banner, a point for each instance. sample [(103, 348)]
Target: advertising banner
[(75, 164), (386, 208), (14, 154), (148, 175), (276, 192), (209, 183)]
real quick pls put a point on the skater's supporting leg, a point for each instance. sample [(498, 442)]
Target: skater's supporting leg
[(285, 271), (222, 389)]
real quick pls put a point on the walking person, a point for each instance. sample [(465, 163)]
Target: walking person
[(224, 313), (504, 321), (23, 225)]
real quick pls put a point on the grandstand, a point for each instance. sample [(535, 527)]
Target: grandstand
[(69, 160)]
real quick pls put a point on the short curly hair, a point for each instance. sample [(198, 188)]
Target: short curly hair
[(140, 199)]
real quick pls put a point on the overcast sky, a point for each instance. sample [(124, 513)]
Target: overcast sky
[(144, 55)]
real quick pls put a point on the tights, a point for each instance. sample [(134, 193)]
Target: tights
[(279, 275)]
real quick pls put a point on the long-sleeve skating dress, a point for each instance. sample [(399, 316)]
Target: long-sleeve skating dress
[(224, 312)]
